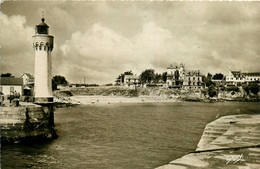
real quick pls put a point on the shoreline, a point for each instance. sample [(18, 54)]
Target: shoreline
[(69, 101)]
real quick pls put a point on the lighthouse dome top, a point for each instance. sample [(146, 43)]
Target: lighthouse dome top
[(42, 28)]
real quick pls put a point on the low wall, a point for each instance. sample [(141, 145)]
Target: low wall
[(27, 122)]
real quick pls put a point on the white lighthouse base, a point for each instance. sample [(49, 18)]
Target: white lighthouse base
[(47, 106)]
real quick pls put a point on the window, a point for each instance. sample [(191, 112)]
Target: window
[(11, 90)]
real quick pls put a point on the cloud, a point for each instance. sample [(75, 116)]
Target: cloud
[(16, 44), (99, 41), (104, 51)]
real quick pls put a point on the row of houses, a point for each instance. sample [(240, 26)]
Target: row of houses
[(179, 77)]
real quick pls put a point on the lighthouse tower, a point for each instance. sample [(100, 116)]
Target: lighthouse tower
[(43, 45)]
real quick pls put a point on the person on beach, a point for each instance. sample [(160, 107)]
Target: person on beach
[(2, 98), (11, 97)]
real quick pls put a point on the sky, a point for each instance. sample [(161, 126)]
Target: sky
[(100, 40)]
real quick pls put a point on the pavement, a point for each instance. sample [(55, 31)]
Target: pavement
[(228, 142)]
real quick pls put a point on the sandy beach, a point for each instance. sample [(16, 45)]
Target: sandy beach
[(85, 100)]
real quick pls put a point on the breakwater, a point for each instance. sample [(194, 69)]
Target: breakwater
[(228, 142), (27, 122)]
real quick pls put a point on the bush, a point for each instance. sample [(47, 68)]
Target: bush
[(254, 88), (212, 91), (245, 88), (109, 84), (133, 93)]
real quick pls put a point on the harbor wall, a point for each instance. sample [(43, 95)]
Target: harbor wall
[(27, 122)]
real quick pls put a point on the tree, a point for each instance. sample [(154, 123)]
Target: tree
[(246, 88), (209, 75), (57, 80), (254, 88), (212, 91), (207, 80), (147, 76), (157, 77), (218, 76), (164, 76), (121, 77), (6, 75)]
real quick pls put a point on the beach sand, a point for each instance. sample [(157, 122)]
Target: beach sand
[(117, 99)]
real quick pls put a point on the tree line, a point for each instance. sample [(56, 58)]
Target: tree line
[(147, 76)]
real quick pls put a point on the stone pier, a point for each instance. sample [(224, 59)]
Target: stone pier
[(25, 123), (228, 142)]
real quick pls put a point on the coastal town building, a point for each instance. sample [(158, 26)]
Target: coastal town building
[(28, 79), (131, 80), (10, 85), (28, 84), (235, 78), (175, 76), (179, 77), (252, 76), (193, 80)]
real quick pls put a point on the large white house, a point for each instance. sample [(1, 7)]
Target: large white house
[(28, 79), (193, 80), (131, 80), (178, 77), (10, 85), (237, 77)]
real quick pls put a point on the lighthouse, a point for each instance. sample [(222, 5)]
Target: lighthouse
[(43, 46)]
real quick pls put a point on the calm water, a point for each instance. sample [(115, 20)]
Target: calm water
[(121, 136)]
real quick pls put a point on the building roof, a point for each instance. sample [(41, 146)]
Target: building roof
[(29, 75), (11, 81), (237, 74), (176, 66), (43, 23), (252, 74)]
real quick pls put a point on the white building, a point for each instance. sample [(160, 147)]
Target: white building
[(178, 77), (28, 79), (252, 76), (235, 78), (28, 84), (175, 76), (131, 80), (193, 80), (10, 85)]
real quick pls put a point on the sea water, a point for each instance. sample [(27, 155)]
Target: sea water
[(126, 135)]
